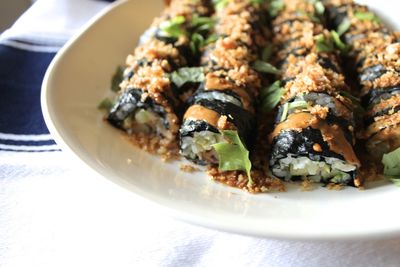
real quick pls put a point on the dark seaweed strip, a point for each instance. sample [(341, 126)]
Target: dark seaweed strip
[(202, 94), (371, 73), (326, 63), (301, 144), (375, 96), (128, 102), (369, 120), (241, 118), (331, 119), (190, 126), (382, 129)]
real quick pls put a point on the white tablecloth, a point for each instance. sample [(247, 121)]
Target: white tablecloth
[(55, 212)]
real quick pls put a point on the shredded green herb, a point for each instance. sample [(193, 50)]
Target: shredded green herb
[(202, 23), (117, 79), (187, 74), (271, 96), (220, 4), (319, 7), (173, 27), (338, 42), (323, 44), (211, 39), (293, 105), (196, 42), (265, 67), (343, 27), (200, 28), (367, 16), (232, 154), (275, 6)]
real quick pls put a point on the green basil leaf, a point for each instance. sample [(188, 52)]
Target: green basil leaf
[(391, 163), (323, 44), (173, 27), (319, 8), (211, 39), (367, 16), (265, 67), (338, 42), (220, 4), (343, 27), (202, 23), (275, 6), (271, 96), (196, 42), (187, 74), (233, 155)]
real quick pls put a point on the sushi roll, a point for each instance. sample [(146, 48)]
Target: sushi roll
[(148, 103), (225, 101), (313, 137), (374, 55)]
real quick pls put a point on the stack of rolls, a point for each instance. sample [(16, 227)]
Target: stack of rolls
[(226, 99), (313, 137), (147, 107), (374, 54)]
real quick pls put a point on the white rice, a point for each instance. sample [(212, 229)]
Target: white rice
[(331, 169), (193, 146)]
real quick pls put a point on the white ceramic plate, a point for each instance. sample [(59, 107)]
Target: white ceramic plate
[(79, 78)]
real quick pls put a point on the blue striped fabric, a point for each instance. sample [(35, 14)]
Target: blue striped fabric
[(22, 127), (23, 64)]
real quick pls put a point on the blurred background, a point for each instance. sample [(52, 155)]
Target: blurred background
[(10, 10)]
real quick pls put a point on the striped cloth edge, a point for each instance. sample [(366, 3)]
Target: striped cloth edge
[(24, 59)]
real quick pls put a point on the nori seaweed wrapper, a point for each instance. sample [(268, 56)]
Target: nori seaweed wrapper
[(301, 144)]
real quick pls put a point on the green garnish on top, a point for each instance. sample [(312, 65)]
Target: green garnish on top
[(275, 6), (173, 27), (319, 7), (199, 23), (233, 154), (187, 74), (200, 28), (328, 43), (271, 96), (343, 27), (323, 44), (220, 4), (367, 16), (265, 67), (338, 42), (300, 104)]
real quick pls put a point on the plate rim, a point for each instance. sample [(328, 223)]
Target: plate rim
[(184, 215)]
